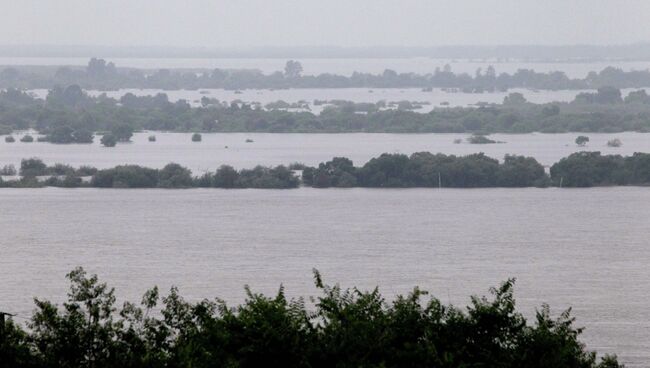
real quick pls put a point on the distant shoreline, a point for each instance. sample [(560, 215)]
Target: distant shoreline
[(634, 51)]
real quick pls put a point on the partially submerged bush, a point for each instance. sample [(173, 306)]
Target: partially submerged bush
[(125, 176), (8, 170), (174, 176), (32, 167), (582, 140), (614, 143), (480, 139), (108, 140)]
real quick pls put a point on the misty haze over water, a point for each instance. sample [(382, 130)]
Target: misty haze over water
[(206, 83)]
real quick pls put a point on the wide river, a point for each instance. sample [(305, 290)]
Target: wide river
[(266, 149), (581, 248)]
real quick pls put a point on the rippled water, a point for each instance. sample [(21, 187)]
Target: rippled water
[(585, 248), (275, 149)]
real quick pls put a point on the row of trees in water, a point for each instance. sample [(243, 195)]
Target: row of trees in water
[(343, 328), (69, 115), (100, 75), (35, 173), (421, 169)]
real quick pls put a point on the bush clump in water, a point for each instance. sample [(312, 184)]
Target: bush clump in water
[(614, 143), (480, 139), (108, 140)]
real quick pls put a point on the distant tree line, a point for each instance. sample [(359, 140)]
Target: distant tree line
[(34, 173), (69, 115), (345, 328), (421, 169), (102, 75)]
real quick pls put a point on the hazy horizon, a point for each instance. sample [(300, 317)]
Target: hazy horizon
[(363, 23)]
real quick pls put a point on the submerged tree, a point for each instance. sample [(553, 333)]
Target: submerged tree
[(108, 140), (292, 69), (582, 140)]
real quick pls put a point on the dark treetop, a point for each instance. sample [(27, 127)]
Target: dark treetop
[(343, 328)]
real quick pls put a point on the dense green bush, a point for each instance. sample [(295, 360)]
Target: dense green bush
[(424, 169), (66, 135), (279, 177), (174, 176), (344, 328), (519, 171), (226, 177), (587, 169), (582, 140), (122, 132), (108, 140), (32, 167), (125, 176)]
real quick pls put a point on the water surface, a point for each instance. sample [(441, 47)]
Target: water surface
[(585, 248), (266, 149)]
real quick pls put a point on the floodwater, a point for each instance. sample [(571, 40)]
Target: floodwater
[(581, 248), (430, 99), (267, 149)]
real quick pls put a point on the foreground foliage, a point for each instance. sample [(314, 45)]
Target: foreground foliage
[(344, 328)]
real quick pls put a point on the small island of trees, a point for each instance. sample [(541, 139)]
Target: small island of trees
[(68, 115), (421, 169)]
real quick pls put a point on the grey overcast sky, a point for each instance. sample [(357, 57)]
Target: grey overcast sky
[(246, 23)]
